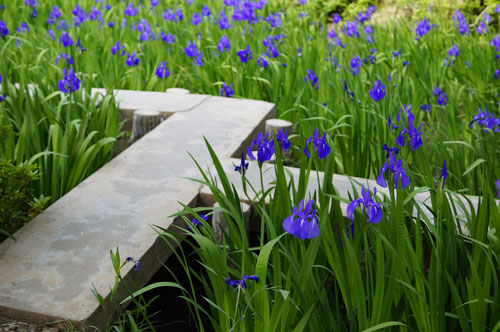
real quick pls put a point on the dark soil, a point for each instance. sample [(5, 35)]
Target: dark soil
[(169, 311)]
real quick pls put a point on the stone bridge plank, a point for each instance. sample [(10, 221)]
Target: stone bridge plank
[(48, 273)]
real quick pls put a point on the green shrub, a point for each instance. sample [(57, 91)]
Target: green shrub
[(17, 203)]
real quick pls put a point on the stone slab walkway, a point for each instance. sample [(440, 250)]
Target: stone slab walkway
[(48, 273), (343, 184)]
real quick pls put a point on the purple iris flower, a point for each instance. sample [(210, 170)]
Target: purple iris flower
[(3, 29), (336, 18), (51, 34), (396, 53), (355, 64), (65, 39), (169, 15), (274, 20), (196, 222), (196, 19), (302, 2), (241, 283), (391, 124), (265, 148), (349, 92), (319, 145), (372, 59), (454, 51), (398, 172), (54, 14), (311, 77), (245, 11), (270, 40), (132, 60), (167, 38), (482, 28), (245, 54), (67, 57), (80, 46), (302, 223), (130, 10), (62, 25), (243, 166), (422, 28), (69, 83), (224, 44), (351, 29), (495, 42), (23, 28), (154, 3), (79, 15), (486, 120), (498, 181), (331, 34), (497, 9), (205, 11), (373, 209), (137, 264), (282, 138), (117, 48), (368, 29), (193, 52), (95, 14), (262, 62), (436, 91), (425, 108), (442, 98), (413, 133), (390, 152), (272, 51), (162, 70), (444, 174), (179, 14), (362, 17), (378, 91), (227, 90), (461, 22), (223, 21)]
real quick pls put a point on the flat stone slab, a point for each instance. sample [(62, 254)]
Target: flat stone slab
[(48, 273), (163, 102), (343, 184)]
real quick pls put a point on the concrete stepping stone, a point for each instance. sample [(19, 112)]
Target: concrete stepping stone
[(48, 273), (343, 184)]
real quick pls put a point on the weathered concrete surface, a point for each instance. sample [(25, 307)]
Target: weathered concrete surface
[(159, 101), (60, 255), (343, 184), (129, 101)]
